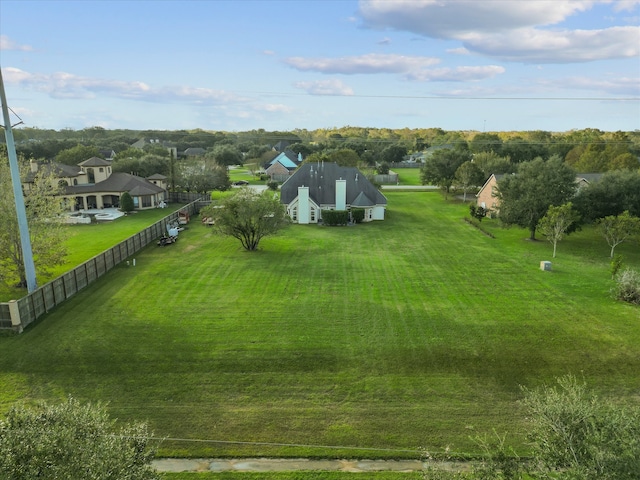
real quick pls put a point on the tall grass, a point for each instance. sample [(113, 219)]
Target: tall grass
[(412, 332)]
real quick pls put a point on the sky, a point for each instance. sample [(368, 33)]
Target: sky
[(482, 65)]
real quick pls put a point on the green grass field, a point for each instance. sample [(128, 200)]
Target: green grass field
[(87, 241), (396, 335)]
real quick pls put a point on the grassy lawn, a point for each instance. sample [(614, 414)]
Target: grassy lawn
[(243, 173), (408, 333), (408, 176), (87, 241), (295, 476)]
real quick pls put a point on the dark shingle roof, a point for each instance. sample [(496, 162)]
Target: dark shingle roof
[(118, 182), (95, 162), (321, 180)]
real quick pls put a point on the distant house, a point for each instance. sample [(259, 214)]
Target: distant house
[(314, 187), (282, 166), (486, 197), (194, 152), (93, 185), (107, 154), (282, 145)]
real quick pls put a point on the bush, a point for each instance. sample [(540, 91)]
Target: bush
[(357, 214), (628, 286), (272, 185), (335, 217), (126, 202), (264, 177)]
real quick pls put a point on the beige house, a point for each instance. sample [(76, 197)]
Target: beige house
[(92, 184), (487, 199)]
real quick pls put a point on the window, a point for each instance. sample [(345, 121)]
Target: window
[(313, 215), (101, 169), (146, 201), (294, 214)]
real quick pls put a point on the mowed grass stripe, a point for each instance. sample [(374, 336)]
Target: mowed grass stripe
[(415, 331)]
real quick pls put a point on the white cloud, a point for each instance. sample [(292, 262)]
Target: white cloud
[(513, 30), (7, 44), (459, 51), (412, 68), (325, 87), (70, 86), (613, 86), (370, 63), (458, 74), (628, 5)]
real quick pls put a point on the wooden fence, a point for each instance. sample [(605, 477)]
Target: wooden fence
[(18, 314)]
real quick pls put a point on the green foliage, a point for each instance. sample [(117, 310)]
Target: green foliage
[(617, 228), (272, 185), (72, 441), (47, 234), (393, 153), (499, 461), (574, 432), (468, 175), (614, 193), (477, 212), (557, 222), (440, 168), (77, 154), (225, 155), (526, 196), (344, 157), (486, 142), (126, 202), (248, 216), (382, 169), (627, 286), (332, 218), (357, 214), (616, 265)]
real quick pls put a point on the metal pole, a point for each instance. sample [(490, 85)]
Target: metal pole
[(21, 212)]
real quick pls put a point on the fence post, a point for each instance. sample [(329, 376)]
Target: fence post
[(14, 313)]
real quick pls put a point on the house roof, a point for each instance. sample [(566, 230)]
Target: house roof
[(588, 177), (195, 151), (117, 182), (60, 170), (95, 162), (321, 180), (157, 176), (288, 160)]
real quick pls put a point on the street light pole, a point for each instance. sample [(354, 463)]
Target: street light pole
[(21, 212)]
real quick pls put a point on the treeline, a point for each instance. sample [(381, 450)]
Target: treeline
[(587, 150)]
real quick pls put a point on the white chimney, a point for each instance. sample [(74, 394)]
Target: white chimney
[(303, 205), (341, 194)]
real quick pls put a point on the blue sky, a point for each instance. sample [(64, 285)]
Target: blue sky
[(491, 65)]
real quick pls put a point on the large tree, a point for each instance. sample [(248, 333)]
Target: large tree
[(249, 216), (72, 441), (526, 196), (225, 155), (614, 193), (77, 154), (46, 232), (440, 168)]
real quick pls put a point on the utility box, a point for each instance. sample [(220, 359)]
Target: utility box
[(545, 265)]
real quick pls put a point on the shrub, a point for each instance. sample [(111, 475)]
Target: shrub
[(126, 202), (335, 217), (272, 185), (357, 214), (264, 177), (628, 286)]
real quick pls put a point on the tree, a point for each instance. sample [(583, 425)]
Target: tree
[(614, 193), (556, 222), (248, 216), (71, 440), (46, 232), (393, 153), (468, 175), (486, 142), (618, 228), (126, 202), (580, 435), (77, 154), (526, 196), (344, 157), (440, 168), (225, 155)]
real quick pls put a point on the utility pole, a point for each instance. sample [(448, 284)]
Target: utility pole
[(21, 212)]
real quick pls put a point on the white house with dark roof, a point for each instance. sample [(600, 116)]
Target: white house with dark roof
[(314, 187)]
